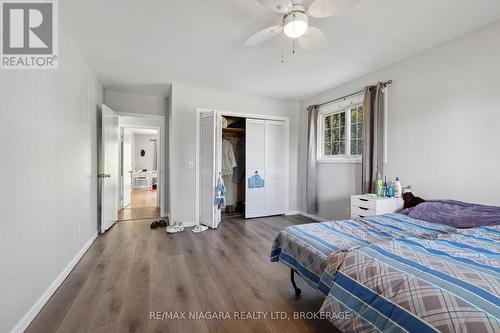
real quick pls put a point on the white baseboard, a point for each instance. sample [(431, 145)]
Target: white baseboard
[(314, 217), (294, 212), (189, 224), (23, 324)]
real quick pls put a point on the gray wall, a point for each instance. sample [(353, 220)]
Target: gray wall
[(48, 205), (132, 102), (443, 125), (185, 99)]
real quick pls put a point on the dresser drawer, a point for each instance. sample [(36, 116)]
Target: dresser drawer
[(362, 211), (359, 201)]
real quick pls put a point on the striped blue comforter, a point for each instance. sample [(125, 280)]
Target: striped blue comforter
[(310, 248), (449, 283)]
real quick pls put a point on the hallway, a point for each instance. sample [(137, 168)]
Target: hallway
[(143, 205)]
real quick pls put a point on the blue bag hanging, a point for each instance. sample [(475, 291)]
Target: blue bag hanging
[(255, 181)]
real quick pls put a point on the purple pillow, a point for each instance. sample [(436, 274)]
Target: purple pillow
[(456, 214)]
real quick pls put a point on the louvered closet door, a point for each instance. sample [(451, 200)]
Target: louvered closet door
[(275, 155), (207, 170), (255, 156), (264, 158)]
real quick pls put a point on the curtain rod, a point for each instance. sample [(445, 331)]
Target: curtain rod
[(385, 84)]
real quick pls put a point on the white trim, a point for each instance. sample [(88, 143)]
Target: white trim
[(23, 324), (340, 160), (139, 115), (345, 107), (286, 120)]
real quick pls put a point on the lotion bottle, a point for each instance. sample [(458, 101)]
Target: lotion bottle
[(398, 188)]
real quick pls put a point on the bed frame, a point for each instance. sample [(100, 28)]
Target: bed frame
[(292, 277)]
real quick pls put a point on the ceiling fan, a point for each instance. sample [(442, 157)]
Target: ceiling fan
[(296, 22)]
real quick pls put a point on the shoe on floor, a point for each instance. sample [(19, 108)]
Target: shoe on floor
[(162, 223), (177, 227), (154, 225), (199, 228)]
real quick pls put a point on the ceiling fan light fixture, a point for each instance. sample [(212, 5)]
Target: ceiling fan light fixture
[(295, 24)]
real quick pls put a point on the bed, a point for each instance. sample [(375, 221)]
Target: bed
[(307, 249), (399, 273), (446, 284)]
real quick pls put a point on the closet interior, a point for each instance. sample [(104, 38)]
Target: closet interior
[(233, 165)]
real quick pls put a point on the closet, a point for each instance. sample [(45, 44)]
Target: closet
[(233, 165), (248, 155)]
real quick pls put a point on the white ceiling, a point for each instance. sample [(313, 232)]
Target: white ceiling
[(200, 42)]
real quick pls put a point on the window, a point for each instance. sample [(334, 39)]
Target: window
[(340, 132)]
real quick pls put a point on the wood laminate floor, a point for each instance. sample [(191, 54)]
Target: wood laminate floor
[(132, 271), (143, 197), (142, 205), (126, 214)]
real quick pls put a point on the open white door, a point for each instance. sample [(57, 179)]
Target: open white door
[(109, 174), (209, 159)]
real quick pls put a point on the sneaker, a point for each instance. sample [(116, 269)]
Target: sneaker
[(199, 228), (177, 227)]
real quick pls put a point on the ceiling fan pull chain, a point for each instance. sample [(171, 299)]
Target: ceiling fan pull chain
[(293, 46)]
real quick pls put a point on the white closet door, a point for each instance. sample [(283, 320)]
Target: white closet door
[(265, 149), (275, 168), (208, 169), (255, 155)]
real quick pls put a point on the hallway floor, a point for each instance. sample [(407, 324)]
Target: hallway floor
[(143, 205)]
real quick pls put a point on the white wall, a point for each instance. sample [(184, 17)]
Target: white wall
[(48, 205), (185, 99), (443, 125), (143, 141)]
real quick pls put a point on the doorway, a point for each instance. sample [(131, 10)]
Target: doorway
[(139, 174), (233, 165), (128, 190)]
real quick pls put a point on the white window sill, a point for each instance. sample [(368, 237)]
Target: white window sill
[(339, 160)]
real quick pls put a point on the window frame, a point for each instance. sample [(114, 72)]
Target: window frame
[(328, 110)]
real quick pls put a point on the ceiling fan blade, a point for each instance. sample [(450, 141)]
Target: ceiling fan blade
[(327, 8), (313, 41), (264, 35), (278, 6)]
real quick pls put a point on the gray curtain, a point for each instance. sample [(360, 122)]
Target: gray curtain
[(311, 184), (373, 150)]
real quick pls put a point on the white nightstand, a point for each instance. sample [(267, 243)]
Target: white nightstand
[(370, 205)]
